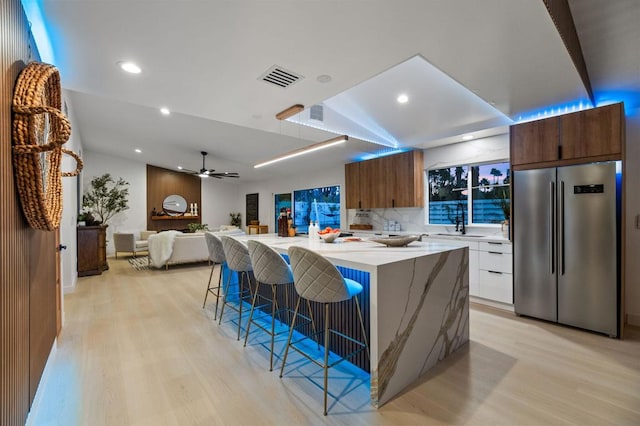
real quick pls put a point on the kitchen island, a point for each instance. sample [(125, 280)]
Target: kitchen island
[(418, 311)]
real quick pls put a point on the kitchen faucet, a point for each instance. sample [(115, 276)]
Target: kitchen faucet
[(463, 230)]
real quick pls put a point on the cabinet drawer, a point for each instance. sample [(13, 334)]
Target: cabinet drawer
[(496, 286), (494, 261), (497, 247)]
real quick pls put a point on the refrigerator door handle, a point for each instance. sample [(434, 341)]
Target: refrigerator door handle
[(561, 265), (552, 204)]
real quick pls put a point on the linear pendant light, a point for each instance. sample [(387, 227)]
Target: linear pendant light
[(306, 150)]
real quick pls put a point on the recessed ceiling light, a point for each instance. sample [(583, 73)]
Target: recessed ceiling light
[(179, 167), (130, 67), (402, 99), (138, 150), (165, 111), (467, 137), (324, 78)]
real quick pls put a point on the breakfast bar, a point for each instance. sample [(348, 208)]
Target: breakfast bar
[(418, 311)]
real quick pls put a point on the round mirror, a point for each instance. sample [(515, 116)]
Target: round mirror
[(174, 205)]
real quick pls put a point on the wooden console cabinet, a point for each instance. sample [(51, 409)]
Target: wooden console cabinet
[(92, 250)]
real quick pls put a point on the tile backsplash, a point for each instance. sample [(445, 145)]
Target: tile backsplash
[(411, 220)]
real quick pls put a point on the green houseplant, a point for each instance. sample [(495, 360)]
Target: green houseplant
[(235, 219), (106, 197), (195, 227)]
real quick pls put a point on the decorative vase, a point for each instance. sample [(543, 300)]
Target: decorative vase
[(506, 228)]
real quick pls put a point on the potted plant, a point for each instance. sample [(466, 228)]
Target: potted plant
[(198, 227), (236, 219), (105, 198)]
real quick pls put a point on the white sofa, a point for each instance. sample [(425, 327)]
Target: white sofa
[(189, 248)]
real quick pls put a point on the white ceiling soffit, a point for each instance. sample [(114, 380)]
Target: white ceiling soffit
[(438, 107)]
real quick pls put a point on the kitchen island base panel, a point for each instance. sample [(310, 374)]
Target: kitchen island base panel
[(425, 305)]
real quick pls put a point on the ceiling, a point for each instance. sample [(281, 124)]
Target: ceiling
[(467, 67)]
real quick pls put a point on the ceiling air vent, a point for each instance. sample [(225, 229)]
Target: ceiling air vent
[(316, 112), (280, 77)]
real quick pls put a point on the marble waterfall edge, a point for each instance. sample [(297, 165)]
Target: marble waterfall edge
[(426, 311)]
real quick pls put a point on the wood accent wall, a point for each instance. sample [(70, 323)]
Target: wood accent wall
[(163, 182), (27, 257)]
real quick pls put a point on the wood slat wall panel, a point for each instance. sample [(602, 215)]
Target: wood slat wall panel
[(27, 324), (14, 241), (163, 182)]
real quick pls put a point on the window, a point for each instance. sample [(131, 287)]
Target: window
[(316, 204), (452, 195), (448, 190)]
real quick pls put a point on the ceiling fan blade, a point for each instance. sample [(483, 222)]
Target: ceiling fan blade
[(188, 171)]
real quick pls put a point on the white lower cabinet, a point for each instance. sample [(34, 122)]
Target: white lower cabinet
[(490, 269), (495, 272)]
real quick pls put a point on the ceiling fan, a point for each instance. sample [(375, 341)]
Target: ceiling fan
[(204, 172)]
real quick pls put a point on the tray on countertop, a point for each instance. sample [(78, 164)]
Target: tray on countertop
[(399, 241)]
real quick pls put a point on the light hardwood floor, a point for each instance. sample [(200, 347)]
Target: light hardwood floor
[(138, 349)]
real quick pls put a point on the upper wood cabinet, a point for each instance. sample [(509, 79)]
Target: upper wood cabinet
[(352, 185), (592, 135), (535, 141), (393, 181)]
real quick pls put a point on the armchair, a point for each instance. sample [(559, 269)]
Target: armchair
[(126, 242)]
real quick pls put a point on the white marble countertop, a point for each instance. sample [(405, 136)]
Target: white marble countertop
[(363, 255)]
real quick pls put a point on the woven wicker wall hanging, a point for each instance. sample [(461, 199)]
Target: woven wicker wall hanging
[(39, 131)]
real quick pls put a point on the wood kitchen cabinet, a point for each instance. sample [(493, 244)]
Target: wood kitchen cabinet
[(386, 182), (92, 250), (406, 172), (535, 141), (595, 132), (585, 136)]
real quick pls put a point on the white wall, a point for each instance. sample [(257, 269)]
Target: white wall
[(135, 218), (472, 152), (219, 198), (68, 257), (632, 234)]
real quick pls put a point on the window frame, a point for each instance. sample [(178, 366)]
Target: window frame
[(470, 189)]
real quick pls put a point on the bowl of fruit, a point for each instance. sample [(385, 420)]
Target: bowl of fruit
[(329, 234)]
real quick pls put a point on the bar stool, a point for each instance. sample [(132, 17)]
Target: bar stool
[(216, 256), (318, 280), (271, 269), (238, 261)]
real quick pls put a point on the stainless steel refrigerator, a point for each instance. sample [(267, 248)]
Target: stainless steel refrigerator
[(566, 245)]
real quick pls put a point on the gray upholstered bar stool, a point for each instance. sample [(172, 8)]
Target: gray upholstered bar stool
[(270, 269), (216, 256), (238, 261), (318, 280)]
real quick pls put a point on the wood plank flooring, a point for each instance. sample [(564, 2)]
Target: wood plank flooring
[(138, 349)]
